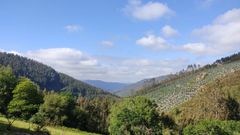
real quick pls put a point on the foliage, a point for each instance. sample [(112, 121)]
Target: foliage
[(39, 122), (57, 108), (26, 99), (7, 83), (135, 116), (96, 110), (213, 127)]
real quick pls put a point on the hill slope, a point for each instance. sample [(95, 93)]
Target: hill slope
[(219, 99), (182, 87), (46, 77)]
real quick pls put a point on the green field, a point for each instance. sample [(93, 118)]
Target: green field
[(20, 127)]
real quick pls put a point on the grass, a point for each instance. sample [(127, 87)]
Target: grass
[(20, 127)]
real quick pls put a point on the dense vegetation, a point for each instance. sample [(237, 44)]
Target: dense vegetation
[(22, 99), (135, 116), (213, 127), (46, 77)]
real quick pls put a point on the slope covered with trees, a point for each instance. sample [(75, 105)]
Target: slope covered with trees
[(46, 77)]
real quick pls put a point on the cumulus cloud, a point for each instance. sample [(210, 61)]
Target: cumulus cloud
[(123, 69), (70, 61), (147, 11), (221, 36), (73, 28), (107, 43), (169, 31), (153, 42)]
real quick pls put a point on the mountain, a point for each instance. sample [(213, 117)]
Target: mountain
[(108, 86), (181, 87), (47, 78), (130, 89)]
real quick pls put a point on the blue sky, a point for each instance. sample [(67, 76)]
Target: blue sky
[(120, 40)]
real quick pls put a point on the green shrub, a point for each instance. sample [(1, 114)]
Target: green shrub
[(213, 127)]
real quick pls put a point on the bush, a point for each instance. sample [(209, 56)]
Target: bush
[(213, 127), (135, 116)]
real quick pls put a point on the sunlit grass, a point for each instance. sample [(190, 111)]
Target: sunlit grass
[(24, 127)]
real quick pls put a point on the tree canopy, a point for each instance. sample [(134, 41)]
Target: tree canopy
[(135, 116), (8, 82), (26, 99)]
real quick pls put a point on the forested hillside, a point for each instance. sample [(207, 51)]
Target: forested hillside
[(46, 77), (184, 85)]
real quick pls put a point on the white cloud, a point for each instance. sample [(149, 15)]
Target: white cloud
[(168, 31), (153, 42), (12, 52), (127, 69), (222, 36), (107, 43), (73, 28), (197, 48), (148, 11), (70, 61)]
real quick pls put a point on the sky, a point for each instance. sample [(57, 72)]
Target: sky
[(120, 40)]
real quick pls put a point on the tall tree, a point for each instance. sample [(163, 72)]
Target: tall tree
[(7, 84), (26, 99), (57, 108)]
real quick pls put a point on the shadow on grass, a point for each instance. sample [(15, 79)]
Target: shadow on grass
[(16, 130)]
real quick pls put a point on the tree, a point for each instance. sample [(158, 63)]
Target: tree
[(135, 116), (7, 84), (97, 111), (57, 108), (26, 99)]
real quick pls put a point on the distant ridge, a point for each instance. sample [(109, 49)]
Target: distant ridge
[(108, 86), (131, 89)]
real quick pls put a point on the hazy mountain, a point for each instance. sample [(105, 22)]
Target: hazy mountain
[(108, 86), (130, 89)]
